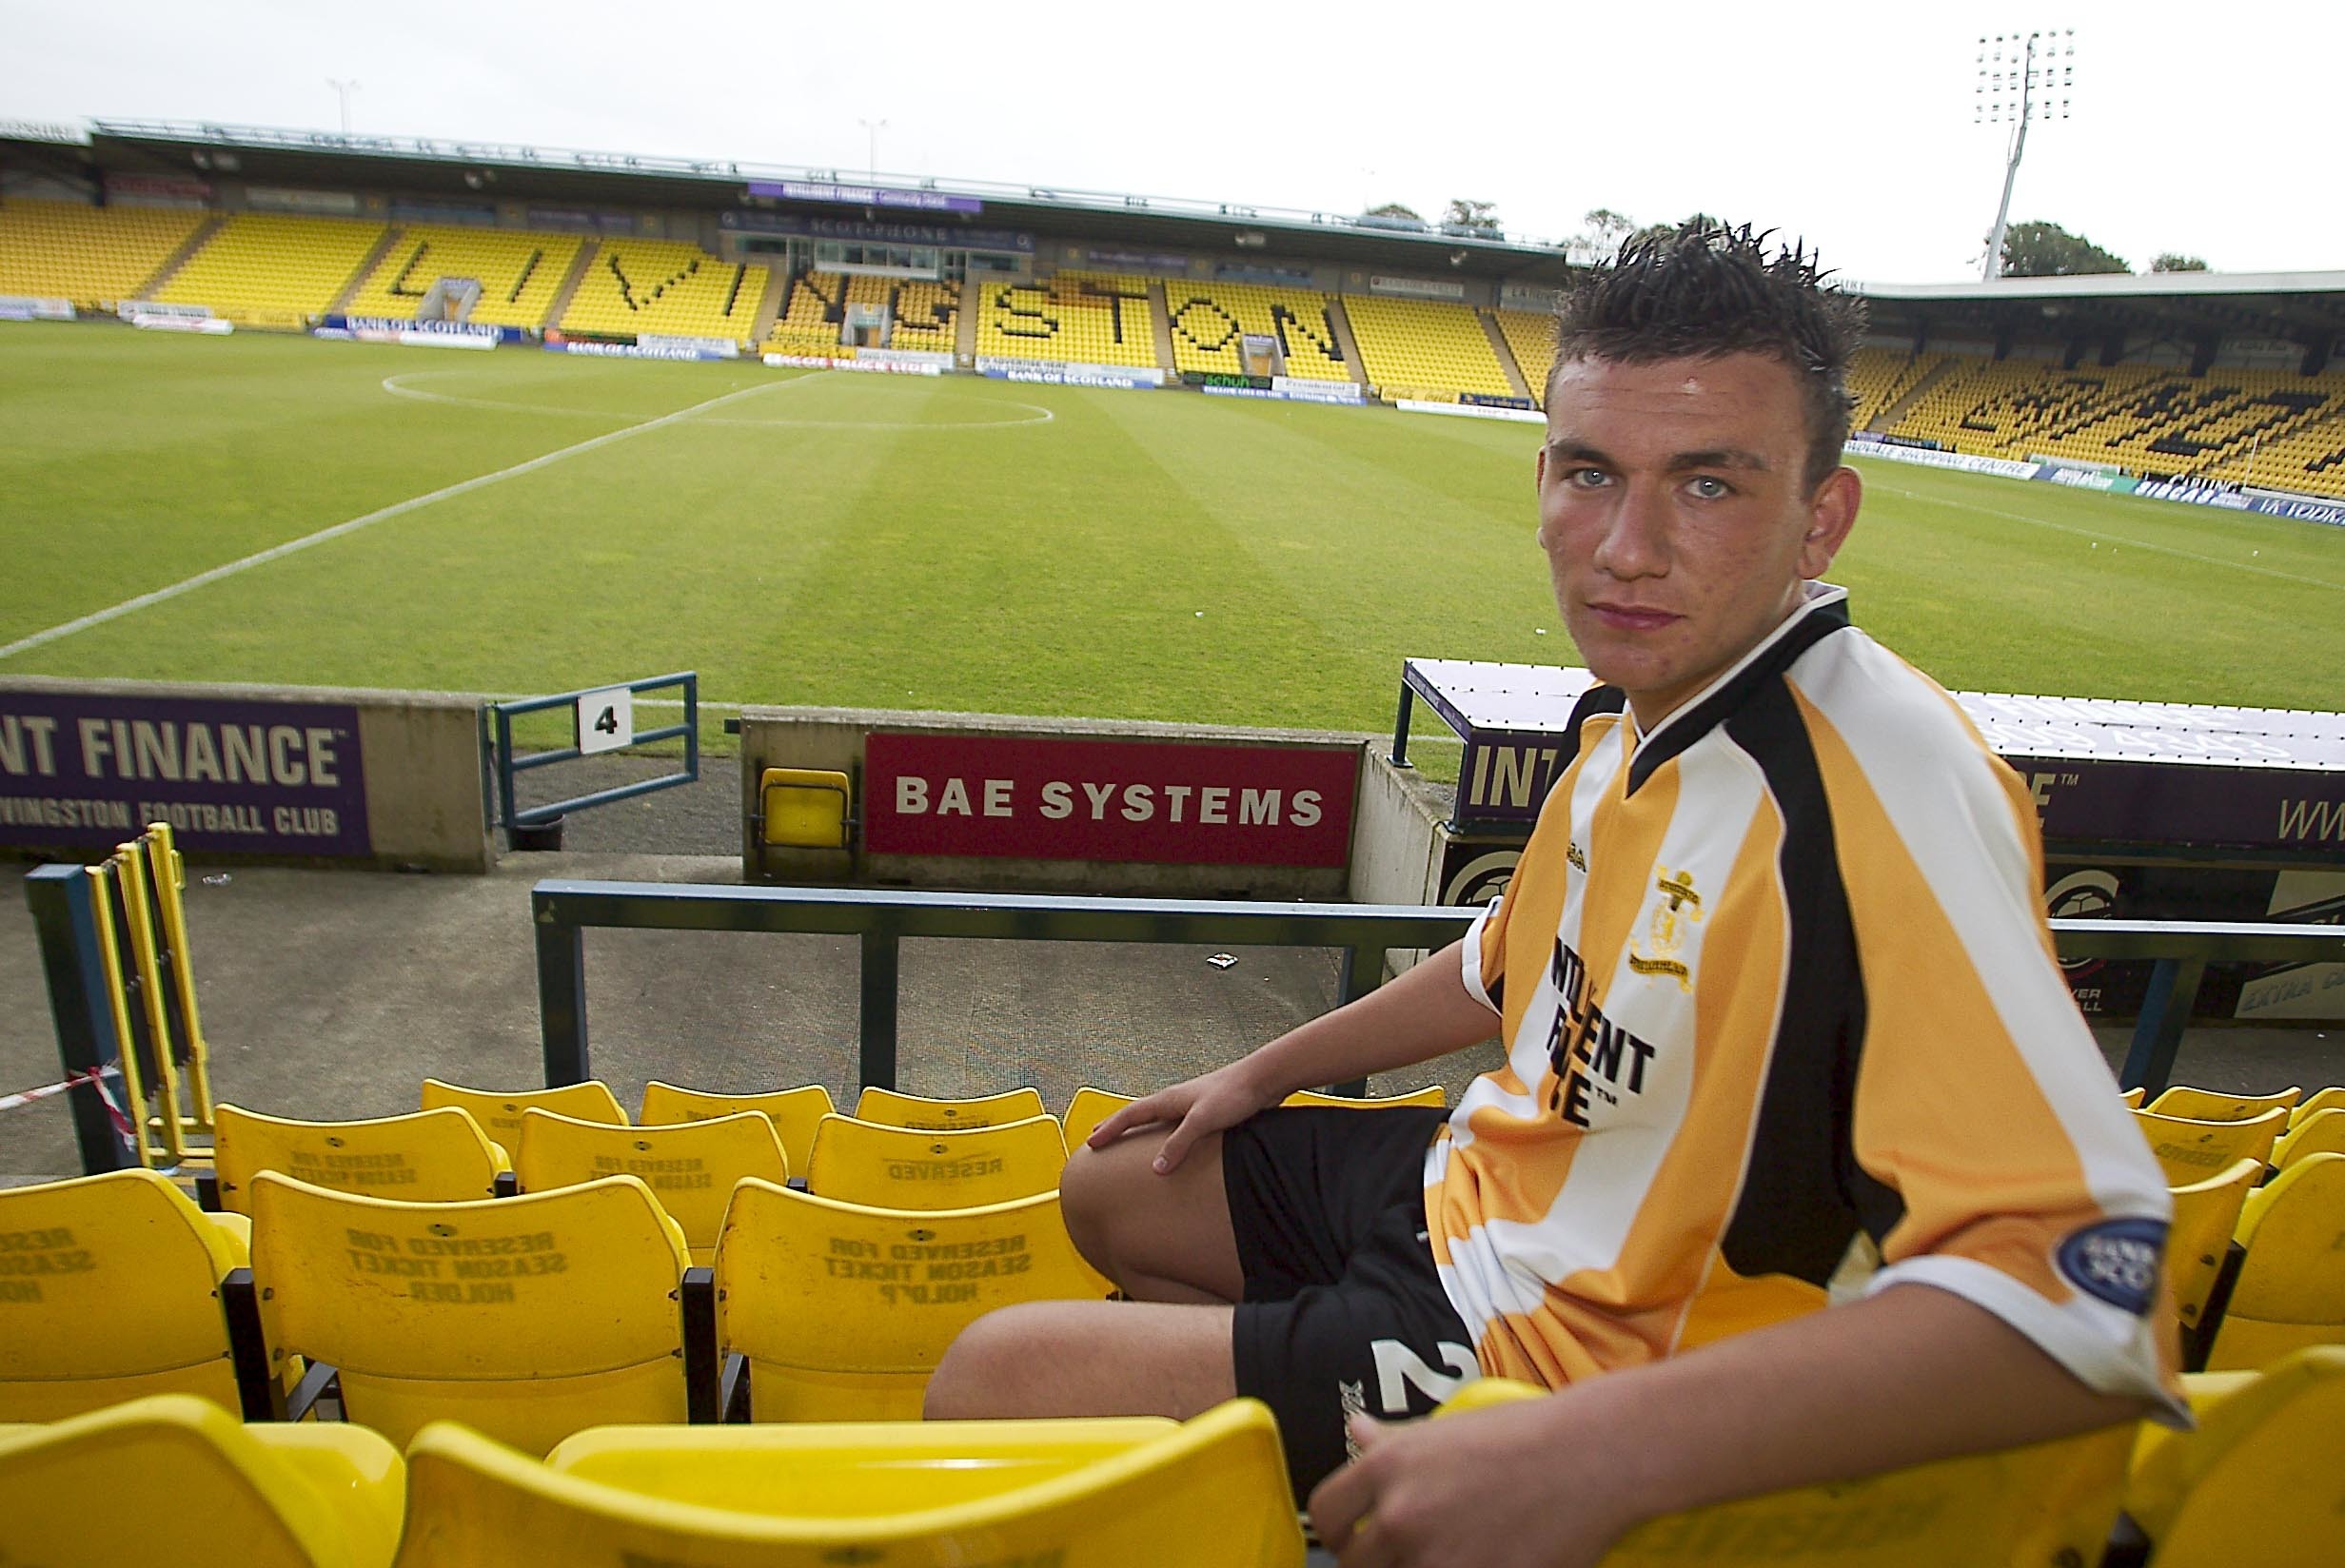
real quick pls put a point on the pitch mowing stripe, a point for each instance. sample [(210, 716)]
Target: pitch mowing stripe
[(2094, 534), (99, 617)]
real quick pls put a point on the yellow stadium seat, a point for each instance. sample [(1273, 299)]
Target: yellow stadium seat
[(173, 1477), (2047, 1503), (2134, 1096), (2205, 1104), (117, 1286), (1080, 318), (520, 272), (272, 269), (1427, 349), (2323, 1133), (669, 288), (1431, 1096), (95, 256), (529, 1316), (2205, 1214), (2259, 1480), (1090, 1108), (424, 1157), (793, 1111), (499, 1112), (859, 1161), (2191, 1150), (2332, 1098), (2291, 1288), (690, 1166), (843, 1311), (889, 1108), (1211, 1492)]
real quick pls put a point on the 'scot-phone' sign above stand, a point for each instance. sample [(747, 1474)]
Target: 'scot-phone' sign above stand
[(266, 777), (1047, 799)]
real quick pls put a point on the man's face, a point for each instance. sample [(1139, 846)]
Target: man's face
[(1676, 518)]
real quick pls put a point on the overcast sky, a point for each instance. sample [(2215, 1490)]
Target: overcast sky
[(2203, 129)]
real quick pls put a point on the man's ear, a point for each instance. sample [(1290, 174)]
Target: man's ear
[(1831, 512), (1539, 468)]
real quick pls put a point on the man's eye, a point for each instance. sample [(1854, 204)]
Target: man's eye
[(1709, 487), (1586, 479)]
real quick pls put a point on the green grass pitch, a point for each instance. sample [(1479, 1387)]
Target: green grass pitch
[(956, 543)]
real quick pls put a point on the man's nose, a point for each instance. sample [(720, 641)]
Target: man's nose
[(1636, 543)]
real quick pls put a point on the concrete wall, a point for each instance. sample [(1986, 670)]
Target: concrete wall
[(421, 756), (833, 738)]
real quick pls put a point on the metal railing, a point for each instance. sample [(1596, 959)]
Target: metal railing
[(508, 764), (563, 911)]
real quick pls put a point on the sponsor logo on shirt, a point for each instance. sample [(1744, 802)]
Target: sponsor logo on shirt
[(1576, 855), (1665, 935), (1595, 1061), (2115, 1262)]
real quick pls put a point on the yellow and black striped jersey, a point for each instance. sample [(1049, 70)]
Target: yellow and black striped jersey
[(1780, 1005)]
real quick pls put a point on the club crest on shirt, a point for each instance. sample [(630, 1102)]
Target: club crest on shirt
[(1665, 933)]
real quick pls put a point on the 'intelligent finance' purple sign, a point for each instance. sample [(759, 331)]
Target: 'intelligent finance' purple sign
[(262, 777)]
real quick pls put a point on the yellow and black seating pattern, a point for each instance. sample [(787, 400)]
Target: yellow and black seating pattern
[(813, 316), (93, 256), (1080, 318), (273, 268), (668, 288), (1212, 321), (520, 272)]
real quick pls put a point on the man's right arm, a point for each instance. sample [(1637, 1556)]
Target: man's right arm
[(1425, 1014)]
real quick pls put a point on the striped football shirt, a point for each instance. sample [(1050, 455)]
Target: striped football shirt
[(1781, 1013)]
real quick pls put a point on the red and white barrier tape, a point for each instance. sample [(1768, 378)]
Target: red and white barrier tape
[(94, 1076)]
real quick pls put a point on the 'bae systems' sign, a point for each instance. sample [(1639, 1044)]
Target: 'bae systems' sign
[(1049, 799)]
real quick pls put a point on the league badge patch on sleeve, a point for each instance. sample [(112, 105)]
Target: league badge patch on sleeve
[(2115, 1262)]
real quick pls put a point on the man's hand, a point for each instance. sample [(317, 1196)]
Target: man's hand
[(1486, 1489), (1217, 1101)]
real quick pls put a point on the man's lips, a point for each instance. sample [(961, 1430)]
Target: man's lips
[(1631, 617)]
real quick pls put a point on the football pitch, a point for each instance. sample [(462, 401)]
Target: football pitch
[(520, 521)]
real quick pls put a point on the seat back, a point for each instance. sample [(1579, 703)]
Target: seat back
[(2135, 1095), (1211, 1492), (793, 1111), (2191, 1150), (110, 1289), (859, 1161), (1431, 1095), (116, 1485), (2259, 1481), (527, 1316), (499, 1112), (2332, 1098), (690, 1166), (2291, 1289), (889, 1108), (2205, 1214), (2322, 1132), (1090, 1108), (424, 1157), (2046, 1503), (2206, 1104), (844, 1310)]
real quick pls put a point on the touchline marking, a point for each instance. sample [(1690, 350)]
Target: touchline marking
[(99, 617), (2113, 538)]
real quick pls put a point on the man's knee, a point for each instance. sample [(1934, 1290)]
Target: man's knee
[(985, 1364), (1093, 1193)]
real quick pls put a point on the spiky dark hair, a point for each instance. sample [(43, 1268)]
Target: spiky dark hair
[(1704, 290)]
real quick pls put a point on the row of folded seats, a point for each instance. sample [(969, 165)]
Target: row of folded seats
[(480, 1332), (1425, 349), (1211, 321), (668, 288), (812, 319), (274, 269), (1076, 318), (90, 256), (520, 272)]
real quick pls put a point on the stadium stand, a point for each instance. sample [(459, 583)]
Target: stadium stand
[(529, 1316), (1531, 337), (131, 1300), (158, 1478), (1137, 1492), (2257, 1481), (93, 256), (2190, 1150), (889, 1108), (2205, 1214), (1211, 323), (667, 288), (793, 1111), (1425, 349), (2323, 1133), (690, 1166), (2290, 1291), (499, 1112), (813, 315), (273, 268), (868, 1162), (923, 315), (841, 1311), (520, 272), (1077, 318), (425, 1156), (2207, 1106), (2047, 1503)]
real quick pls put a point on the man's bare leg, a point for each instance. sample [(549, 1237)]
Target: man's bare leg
[(1161, 1238), (1085, 1358)]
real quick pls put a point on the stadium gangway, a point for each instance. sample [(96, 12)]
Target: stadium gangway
[(517, 822), (563, 909)]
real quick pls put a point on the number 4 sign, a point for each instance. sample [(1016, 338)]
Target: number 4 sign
[(606, 720)]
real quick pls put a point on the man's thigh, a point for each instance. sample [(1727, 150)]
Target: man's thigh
[(1086, 1359)]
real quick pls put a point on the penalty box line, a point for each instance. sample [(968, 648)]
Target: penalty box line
[(275, 552)]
